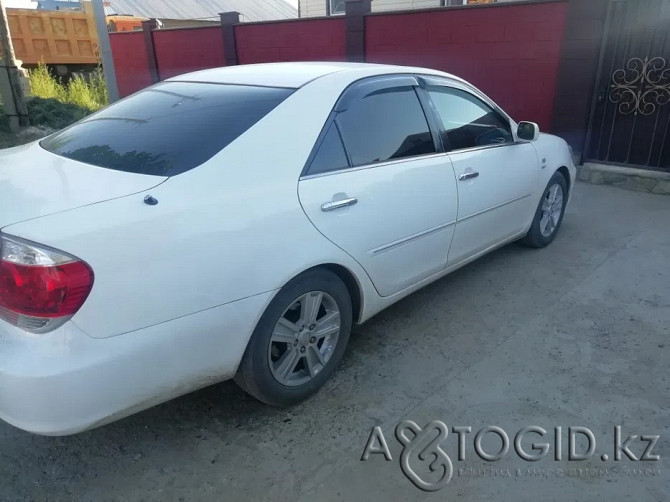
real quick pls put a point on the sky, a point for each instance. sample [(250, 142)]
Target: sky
[(18, 4)]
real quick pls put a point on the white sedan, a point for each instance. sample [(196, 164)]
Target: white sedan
[(235, 223)]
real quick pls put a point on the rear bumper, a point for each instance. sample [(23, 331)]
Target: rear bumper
[(65, 381)]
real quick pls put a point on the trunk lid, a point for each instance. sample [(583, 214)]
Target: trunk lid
[(35, 183)]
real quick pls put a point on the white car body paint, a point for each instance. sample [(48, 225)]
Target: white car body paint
[(418, 201), (180, 286)]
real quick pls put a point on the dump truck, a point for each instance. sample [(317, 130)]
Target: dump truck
[(65, 40)]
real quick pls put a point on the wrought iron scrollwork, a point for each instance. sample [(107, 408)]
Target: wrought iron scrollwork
[(641, 87)]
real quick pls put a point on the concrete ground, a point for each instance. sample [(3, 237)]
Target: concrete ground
[(573, 335)]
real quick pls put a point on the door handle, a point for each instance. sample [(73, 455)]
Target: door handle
[(468, 175), (337, 204)]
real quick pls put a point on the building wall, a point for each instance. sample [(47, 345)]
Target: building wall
[(387, 5), (312, 8)]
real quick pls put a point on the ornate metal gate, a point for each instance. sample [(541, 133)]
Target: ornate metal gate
[(630, 118)]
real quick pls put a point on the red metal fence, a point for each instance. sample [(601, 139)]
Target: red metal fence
[(510, 51), (130, 61), (299, 40), (182, 50)]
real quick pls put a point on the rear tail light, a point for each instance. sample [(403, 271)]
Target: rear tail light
[(40, 288)]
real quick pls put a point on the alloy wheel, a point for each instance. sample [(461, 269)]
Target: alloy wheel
[(552, 208), (304, 338)]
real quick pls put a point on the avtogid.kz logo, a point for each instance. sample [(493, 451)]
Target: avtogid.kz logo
[(426, 463)]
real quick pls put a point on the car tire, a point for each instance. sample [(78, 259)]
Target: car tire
[(549, 213), (289, 334)]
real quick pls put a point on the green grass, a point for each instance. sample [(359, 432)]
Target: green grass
[(44, 85), (54, 114), (89, 93)]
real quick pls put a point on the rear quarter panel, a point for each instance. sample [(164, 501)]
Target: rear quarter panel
[(229, 229)]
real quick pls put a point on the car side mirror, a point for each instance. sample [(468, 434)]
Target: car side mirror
[(528, 131)]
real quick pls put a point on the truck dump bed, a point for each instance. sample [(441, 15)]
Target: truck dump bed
[(54, 36)]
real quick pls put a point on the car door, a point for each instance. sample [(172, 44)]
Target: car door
[(378, 186), (496, 174)]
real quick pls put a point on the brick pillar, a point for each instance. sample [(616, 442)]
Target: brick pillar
[(228, 22), (152, 65), (355, 12)]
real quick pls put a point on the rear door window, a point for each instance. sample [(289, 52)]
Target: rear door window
[(168, 128), (330, 155), (386, 124)]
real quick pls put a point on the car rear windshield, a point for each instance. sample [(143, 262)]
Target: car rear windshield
[(166, 129)]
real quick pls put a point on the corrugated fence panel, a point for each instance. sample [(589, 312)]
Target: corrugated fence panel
[(130, 61), (304, 40), (511, 52), (188, 49)]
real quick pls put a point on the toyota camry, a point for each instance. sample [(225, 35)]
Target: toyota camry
[(236, 222)]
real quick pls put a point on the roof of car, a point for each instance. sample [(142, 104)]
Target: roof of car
[(292, 75)]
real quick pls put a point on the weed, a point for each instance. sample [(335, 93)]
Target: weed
[(89, 92)]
